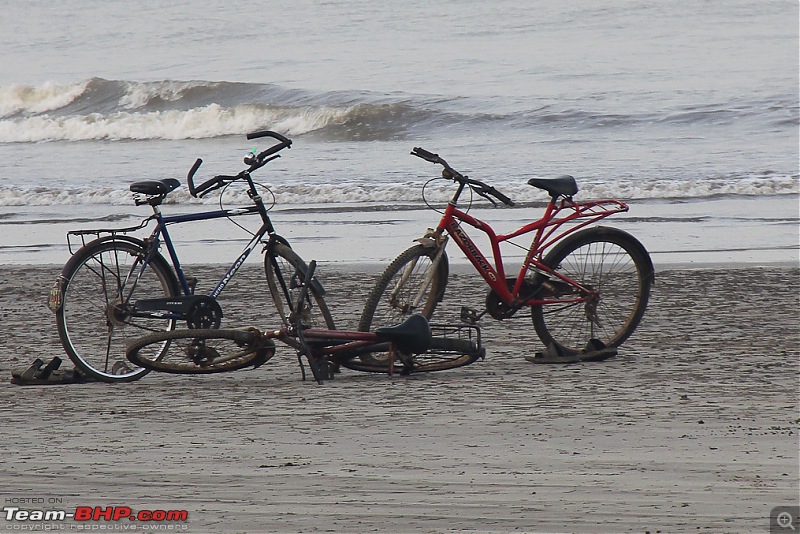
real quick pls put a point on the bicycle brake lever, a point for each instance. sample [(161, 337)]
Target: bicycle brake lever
[(485, 195)]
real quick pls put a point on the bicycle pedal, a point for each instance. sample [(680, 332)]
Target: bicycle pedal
[(470, 316), (191, 281)]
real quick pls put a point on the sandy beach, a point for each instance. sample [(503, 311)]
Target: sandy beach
[(692, 427)]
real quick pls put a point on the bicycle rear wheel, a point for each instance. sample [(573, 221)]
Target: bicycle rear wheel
[(201, 351), (98, 287), (285, 274), (452, 346), (612, 263)]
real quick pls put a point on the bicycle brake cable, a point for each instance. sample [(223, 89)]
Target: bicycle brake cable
[(437, 210), (221, 207)]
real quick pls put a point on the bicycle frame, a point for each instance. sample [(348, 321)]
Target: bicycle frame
[(350, 340), (548, 230), (160, 232)]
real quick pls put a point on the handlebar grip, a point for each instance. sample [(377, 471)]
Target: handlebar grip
[(190, 177), (214, 183), (273, 149), (269, 133), (424, 154), (502, 198)]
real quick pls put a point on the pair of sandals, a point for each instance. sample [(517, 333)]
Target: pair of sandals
[(595, 351), (39, 374)]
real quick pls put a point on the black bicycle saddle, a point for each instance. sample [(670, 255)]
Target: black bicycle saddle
[(411, 336), (563, 185), (155, 187)]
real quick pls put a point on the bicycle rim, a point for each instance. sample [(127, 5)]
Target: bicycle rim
[(99, 286), (201, 351), (609, 262)]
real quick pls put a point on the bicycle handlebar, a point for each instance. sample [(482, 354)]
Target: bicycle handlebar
[(199, 191), (269, 133), (285, 142), (190, 177), (482, 189), (255, 162)]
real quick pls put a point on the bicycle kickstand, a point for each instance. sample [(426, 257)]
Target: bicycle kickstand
[(392, 357), (305, 350), (315, 370)]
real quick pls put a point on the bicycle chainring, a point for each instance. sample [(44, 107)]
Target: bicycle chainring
[(501, 310), (204, 313)]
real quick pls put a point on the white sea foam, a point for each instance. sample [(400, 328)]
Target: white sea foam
[(210, 121), (410, 193), (138, 95), (37, 99)]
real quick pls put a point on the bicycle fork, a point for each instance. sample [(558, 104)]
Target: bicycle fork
[(413, 304)]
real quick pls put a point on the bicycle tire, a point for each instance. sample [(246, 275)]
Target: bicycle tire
[(610, 261), (443, 354), (92, 324), (285, 270), (383, 309), (201, 351)]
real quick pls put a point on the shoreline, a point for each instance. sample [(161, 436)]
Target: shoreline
[(720, 231)]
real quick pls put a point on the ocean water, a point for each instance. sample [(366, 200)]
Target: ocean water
[(686, 110)]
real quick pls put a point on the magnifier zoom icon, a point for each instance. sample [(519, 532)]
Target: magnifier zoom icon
[(784, 520)]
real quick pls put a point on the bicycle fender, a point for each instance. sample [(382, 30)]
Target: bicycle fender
[(427, 242), (315, 284), (432, 239), (279, 239)]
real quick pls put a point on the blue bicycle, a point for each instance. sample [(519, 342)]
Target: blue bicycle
[(117, 288)]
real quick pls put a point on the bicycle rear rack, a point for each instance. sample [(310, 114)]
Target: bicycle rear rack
[(462, 332), (81, 238)]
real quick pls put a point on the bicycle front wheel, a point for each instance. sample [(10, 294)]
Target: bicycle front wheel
[(286, 272), (413, 283), (201, 351), (608, 261), (99, 286)]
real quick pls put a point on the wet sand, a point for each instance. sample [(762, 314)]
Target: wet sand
[(692, 427)]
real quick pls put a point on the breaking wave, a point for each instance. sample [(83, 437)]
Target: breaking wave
[(99, 109)]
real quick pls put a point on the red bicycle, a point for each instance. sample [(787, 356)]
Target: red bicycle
[(582, 284)]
